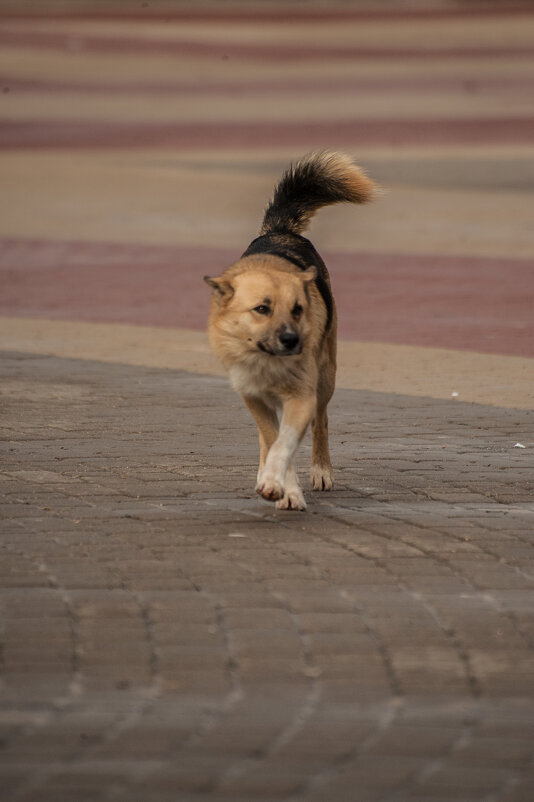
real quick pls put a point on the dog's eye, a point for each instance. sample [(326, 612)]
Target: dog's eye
[(297, 310), (262, 309)]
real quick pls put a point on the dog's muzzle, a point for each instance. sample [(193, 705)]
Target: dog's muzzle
[(290, 342), (287, 343)]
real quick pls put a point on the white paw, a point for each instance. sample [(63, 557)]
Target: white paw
[(291, 500), (322, 477), (270, 486)]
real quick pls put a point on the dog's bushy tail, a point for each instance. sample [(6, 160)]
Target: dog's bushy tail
[(317, 180)]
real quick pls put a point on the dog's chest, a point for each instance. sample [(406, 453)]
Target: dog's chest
[(260, 378)]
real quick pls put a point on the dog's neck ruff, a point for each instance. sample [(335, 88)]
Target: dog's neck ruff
[(263, 375)]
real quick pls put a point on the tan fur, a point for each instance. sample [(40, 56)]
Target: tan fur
[(285, 393)]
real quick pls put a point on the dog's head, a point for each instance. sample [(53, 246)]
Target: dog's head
[(266, 310)]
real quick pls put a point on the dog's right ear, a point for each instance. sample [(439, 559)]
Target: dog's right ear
[(222, 289)]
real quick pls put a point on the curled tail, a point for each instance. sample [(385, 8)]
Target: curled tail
[(317, 180)]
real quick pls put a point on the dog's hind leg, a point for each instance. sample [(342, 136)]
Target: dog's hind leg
[(321, 472), (267, 423)]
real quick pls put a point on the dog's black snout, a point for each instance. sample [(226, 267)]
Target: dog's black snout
[(289, 339)]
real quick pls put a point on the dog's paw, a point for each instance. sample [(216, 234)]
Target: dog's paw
[(322, 477), (291, 500), (270, 487)]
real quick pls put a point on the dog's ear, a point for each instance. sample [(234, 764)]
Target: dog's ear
[(310, 274), (221, 288)]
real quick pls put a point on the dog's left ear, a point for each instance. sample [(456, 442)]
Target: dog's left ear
[(310, 274), (223, 289)]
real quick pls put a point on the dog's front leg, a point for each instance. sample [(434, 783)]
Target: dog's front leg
[(293, 498), (275, 481), (267, 423)]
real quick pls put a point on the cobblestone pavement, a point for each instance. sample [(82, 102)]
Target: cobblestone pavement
[(168, 635), (165, 635)]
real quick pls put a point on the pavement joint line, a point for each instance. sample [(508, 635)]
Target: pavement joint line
[(427, 605), (529, 640)]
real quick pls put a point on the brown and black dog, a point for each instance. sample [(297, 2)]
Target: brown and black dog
[(273, 325)]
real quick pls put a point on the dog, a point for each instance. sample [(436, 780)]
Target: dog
[(273, 325)]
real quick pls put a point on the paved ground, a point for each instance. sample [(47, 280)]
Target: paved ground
[(166, 635), (169, 636)]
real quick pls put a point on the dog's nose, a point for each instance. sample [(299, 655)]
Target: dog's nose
[(289, 339)]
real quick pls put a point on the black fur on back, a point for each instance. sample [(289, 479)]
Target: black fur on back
[(300, 252)]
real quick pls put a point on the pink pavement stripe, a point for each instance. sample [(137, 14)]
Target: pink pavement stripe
[(467, 303), (61, 135), (287, 15), (470, 86), (150, 285), (239, 50)]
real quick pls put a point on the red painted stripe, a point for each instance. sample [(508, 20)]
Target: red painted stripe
[(478, 304), (468, 303), (74, 42), (393, 82), (293, 14), (105, 282), (60, 135)]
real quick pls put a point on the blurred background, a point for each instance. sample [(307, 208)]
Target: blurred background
[(140, 141)]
